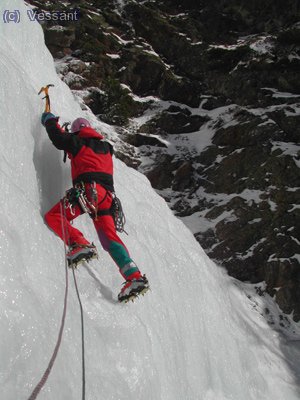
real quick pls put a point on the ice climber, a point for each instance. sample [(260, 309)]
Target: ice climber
[(92, 192)]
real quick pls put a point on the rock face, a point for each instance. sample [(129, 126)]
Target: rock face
[(59, 40), (208, 93)]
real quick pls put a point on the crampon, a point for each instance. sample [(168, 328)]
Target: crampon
[(81, 253), (133, 289)]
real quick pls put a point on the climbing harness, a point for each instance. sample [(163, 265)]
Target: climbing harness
[(77, 196), (47, 97)]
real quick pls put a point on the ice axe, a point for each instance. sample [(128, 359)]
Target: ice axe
[(46, 90)]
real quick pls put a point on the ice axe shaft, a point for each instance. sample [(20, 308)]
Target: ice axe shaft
[(47, 97)]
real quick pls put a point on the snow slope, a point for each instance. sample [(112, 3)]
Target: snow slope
[(194, 336)]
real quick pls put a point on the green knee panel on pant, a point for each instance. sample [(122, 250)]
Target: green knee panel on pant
[(119, 254), (122, 259)]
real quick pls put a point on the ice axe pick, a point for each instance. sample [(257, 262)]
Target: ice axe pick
[(46, 91)]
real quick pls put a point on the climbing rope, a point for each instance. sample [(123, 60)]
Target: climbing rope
[(46, 374), (82, 336), (44, 378), (63, 212), (118, 214)]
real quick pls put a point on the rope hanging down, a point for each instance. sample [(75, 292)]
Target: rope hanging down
[(80, 306), (46, 374), (82, 336), (44, 378)]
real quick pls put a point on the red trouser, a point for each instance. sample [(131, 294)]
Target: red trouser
[(59, 217)]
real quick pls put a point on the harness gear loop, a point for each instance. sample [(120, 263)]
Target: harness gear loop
[(68, 202), (94, 197), (77, 196)]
